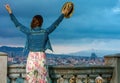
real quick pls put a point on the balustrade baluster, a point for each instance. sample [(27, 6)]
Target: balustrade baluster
[(87, 79), (78, 79), (60, 79), (8, 80), (13, 80), (53, 80), (66, 80), (99, 79), (19, 80), (73, 79)]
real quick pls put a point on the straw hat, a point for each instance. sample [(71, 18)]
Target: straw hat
[(69, 6)]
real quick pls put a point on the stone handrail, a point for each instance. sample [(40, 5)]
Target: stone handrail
[(16, 72), (109, 72), (85, 74)]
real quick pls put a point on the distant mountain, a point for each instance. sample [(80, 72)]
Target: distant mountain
[(99, 53), (18, 51), (12, 51), (6, 48)]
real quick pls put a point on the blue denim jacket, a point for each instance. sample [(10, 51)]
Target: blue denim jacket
[(37, 38)]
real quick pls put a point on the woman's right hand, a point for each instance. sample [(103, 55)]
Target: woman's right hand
[(8, 8)]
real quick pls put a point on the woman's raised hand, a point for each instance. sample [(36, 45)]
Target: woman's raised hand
[(8, 8)]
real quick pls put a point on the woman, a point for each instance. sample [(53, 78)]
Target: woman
[(37, 43)]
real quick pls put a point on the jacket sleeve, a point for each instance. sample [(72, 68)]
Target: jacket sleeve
[(55, 24), (18, 25)]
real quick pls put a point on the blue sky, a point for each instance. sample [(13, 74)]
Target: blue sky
[(95, 24)]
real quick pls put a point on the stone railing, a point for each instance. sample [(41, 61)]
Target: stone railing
[(83, 74), (16, 73), (65, 74)]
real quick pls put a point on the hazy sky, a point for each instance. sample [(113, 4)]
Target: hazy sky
[(95, 24)]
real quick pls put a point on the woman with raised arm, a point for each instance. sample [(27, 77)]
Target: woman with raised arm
[(37, 43)]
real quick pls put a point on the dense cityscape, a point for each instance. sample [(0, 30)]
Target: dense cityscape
[(61, 60), (75, 60), (16, 56)]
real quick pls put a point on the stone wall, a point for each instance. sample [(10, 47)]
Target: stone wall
[(114, 60), (109, 72), (3, 67), (83, 74)]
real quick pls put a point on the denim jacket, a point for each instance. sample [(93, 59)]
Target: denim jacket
[(37, 39)]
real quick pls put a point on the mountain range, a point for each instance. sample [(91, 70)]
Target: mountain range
[(13, 51), (100, 53)]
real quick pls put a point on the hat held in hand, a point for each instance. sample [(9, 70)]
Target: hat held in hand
[(67, 9)]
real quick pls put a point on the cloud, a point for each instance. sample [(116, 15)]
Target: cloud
[(29, 8), (85, 44), (92, 21), (116, 10), (14, 42), (89, 18)]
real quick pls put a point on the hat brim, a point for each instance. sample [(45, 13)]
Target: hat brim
[(70, 6)]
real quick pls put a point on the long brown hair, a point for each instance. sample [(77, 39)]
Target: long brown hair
[(37, 21)]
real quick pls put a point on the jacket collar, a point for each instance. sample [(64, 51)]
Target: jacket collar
[(36, 29)]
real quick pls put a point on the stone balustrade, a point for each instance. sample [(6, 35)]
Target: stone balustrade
[(16, 73), (83, 74), (109, 72)]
